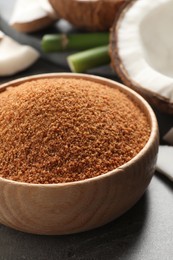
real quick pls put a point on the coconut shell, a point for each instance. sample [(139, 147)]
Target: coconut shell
[(97, 15), (33, 26), (32, 16), (155, 99)]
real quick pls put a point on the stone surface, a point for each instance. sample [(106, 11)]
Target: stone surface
[(144, 232)]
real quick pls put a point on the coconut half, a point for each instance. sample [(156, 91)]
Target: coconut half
[(32, 15), (94, 15), (141, 50), (15, 57)]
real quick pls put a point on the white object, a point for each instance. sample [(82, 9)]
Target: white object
[(1, 35), (165, 161), (26, 11), (32, 15), (15, 57), (45, 5), (169, 136), (145, 44)]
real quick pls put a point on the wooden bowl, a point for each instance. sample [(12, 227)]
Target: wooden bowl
[(82, 205)]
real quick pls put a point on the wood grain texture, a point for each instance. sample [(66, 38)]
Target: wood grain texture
[(83, 205)]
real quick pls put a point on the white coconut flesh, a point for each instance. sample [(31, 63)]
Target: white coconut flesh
[(145, 45), (164, 163), (32, 15), (46, 6), (27, 11), (15, 57)]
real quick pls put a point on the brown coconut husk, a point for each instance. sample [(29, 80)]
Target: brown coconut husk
[(33, 26), (97, 15)]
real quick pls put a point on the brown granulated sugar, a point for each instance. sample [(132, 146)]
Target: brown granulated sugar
[(64, 129)]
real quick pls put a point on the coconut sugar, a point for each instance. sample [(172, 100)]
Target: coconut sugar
[(59, 130)]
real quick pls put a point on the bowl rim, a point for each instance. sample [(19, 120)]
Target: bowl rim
[(148, 111)]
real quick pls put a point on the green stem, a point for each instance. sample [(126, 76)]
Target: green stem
[(92, 58), (80, 41)]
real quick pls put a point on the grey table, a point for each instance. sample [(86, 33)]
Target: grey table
[(144, 233)]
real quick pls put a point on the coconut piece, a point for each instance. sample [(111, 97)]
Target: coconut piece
[(164, 162), (15, 57), (95, 15), (48, 8), (168, 137), (141, 50), (32, 15)]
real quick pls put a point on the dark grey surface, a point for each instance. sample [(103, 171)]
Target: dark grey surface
[(144, 233)]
